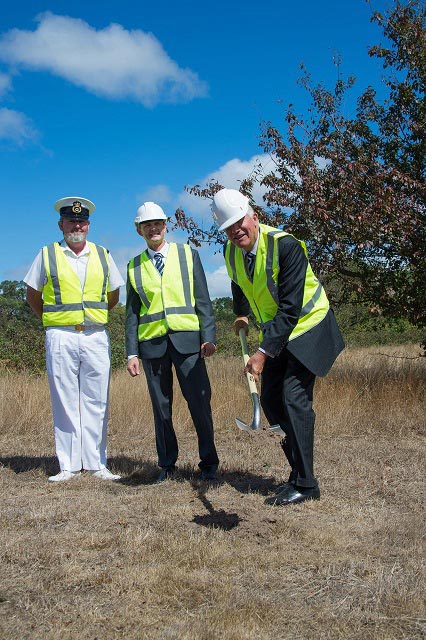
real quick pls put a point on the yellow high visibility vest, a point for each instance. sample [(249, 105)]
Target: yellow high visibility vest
[(168, 301), (262, 292), (64, 303)]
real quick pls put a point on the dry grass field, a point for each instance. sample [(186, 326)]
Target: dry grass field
[(184, 560)]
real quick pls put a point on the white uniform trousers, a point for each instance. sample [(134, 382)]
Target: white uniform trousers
[(78, 370)]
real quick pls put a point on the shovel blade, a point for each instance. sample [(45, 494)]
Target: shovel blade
[(255, 424), (275, 428), (242, 425)]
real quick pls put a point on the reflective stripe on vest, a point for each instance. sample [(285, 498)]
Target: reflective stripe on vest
[(168, 301), (262, 292), (64, 303)]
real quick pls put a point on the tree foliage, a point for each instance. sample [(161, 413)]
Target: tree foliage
[(354, 187), (22, 334)]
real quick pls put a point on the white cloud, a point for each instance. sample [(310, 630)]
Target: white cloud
[(111, 62), (229, 175), (16, 273), (159, 193), (16, 127), (5, 84), (219, 283), (122, 255)]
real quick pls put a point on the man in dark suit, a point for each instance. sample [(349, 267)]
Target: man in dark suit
[(170, 321), (299, 339)]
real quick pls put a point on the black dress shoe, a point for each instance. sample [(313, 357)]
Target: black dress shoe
[(293, 495), (166, 472), (283, 486), (209, 474)]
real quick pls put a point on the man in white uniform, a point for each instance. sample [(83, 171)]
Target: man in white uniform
[(71, 286)]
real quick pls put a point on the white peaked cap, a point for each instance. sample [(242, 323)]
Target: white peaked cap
[(74, 207)]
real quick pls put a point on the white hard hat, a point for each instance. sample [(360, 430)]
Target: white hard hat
[(229, 206), (149, 211), (74, 207)]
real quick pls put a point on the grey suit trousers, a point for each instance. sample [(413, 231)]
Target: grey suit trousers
[(195, 386), (286, 398)]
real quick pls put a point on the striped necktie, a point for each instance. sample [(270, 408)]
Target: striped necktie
[(250, 259), (159, 262)]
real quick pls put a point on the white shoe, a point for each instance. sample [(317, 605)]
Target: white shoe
[(63, 476), (104, 474)]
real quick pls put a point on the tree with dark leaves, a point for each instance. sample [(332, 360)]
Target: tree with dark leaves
[(354, 187)]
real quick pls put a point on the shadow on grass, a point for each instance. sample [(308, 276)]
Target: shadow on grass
[(140, 472), (134, 471), (246, 482), (241, 482), (215, 518), (22, 464), (145, 472)]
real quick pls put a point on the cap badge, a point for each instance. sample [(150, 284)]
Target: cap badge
[(76, 207)]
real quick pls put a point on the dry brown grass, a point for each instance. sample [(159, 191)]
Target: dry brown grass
[(135, 560)]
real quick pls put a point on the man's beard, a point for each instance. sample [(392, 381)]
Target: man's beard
[(77, 236)]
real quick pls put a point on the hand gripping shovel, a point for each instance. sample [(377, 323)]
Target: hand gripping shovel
[(255, 424)]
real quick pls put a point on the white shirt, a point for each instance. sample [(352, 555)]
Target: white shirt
[(164, 251), (253, 250)]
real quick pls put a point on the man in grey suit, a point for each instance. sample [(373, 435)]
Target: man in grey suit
[(170, 321), (299, 340)]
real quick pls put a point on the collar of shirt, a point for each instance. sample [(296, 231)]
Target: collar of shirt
[(253, 250), (164, 251), (66, 249)]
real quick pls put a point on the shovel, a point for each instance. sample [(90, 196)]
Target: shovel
[(255, 424)]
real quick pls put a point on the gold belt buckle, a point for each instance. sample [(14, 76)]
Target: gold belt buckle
[(79, 327)]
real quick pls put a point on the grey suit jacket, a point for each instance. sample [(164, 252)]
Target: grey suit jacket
[(183, 341)]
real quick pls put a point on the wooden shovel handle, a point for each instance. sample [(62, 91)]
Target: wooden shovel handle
[(251, 381)]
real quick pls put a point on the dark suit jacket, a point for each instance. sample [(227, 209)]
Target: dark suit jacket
[(183, 341), (316, 349)]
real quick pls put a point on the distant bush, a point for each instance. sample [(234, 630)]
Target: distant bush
[(362, 328), (22, 334), (117, 318)]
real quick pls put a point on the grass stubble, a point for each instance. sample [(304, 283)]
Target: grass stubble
[(96, 560)]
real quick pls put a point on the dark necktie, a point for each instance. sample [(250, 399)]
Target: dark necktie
[(250, 260), (159, 262)]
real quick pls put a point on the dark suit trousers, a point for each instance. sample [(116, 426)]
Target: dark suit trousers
[(195, 386), (286, 398)]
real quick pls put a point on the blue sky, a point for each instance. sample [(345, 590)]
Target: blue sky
[(122, 102)]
